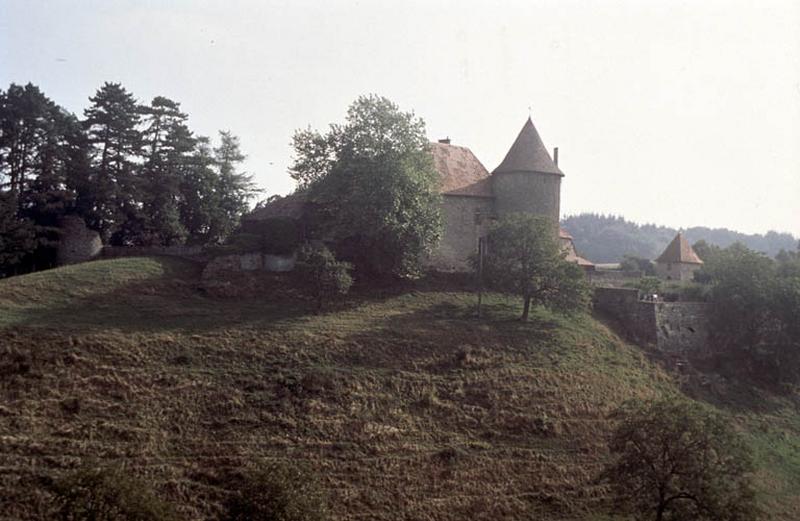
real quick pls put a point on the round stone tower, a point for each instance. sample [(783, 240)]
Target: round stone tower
[(528, 180)]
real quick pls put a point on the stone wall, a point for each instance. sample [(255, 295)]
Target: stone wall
[(636, 317), (224, 265), (465, 220), (179, 250), (678, 271), (77, 243), (671, 327), (538, 194), (682, 326)]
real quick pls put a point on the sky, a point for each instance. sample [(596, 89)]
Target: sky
[(680, 113)]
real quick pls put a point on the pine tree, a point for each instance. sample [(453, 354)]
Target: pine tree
[(115, 140), (168, 147)]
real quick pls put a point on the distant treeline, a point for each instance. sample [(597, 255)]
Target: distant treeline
[(133, 171), (608, 238)]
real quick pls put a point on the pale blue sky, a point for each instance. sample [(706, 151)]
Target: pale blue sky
[(674, 112)]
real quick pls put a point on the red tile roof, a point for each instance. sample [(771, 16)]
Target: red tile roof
[(461, 172), (679, 251)]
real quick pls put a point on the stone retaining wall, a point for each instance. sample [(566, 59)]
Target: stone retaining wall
[(672, 327)]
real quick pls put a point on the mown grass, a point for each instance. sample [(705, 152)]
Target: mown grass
[(406, 405)]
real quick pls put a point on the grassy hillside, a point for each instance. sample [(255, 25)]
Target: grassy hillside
[(406, 405)]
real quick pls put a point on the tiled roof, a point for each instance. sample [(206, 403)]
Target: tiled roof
[(569, 246), (461, 172), (528, 154), (679, 251)]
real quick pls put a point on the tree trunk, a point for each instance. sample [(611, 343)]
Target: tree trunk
[(526, 308)]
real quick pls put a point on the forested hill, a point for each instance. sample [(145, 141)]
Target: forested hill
[(606, 238)]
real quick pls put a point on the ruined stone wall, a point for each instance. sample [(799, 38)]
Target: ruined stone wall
[(465, 220), (682, 326), (225, 265), (637, 318), (671, 327), (179, 250), (538, 194)]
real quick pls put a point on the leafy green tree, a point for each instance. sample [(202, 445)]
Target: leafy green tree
[(373, 187), (112, 128), (276, 493), (321, 275), (524, 257), (649, 285), (634, 263), (674, 460), (755, 305), (743, 285)]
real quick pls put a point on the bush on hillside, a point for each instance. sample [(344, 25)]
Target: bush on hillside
[(321, 276), (276, 493), (676, 460), (92, 494)]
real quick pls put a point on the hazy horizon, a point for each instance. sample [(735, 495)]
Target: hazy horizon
[(673, 113)]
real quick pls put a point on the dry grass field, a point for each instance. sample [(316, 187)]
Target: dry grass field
[(405, 405)]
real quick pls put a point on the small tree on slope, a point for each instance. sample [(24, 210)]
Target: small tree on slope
[(525, 258), (675, 461)]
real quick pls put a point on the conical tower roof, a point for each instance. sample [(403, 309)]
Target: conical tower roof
[(679, 251), (528, 154)]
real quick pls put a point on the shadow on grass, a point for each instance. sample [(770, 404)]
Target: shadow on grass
[(144, 306)]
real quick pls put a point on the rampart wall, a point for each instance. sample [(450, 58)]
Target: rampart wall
[(673, 327)]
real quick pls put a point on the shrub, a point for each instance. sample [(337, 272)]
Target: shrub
[(92, 494), (676, 460), (276, 492), (649, 285), (321, 276)]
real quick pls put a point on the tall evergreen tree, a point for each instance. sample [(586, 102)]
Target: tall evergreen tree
[(112, 130), (233, 188), (37, 151), (168, 147)]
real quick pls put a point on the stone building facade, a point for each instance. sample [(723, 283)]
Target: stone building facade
[(678, 261), (527, 180), (671, 327)]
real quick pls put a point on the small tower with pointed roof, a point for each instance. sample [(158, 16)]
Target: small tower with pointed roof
[(528, 180), (678, 261)]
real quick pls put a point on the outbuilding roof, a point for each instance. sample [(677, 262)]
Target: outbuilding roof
[(460, 171), (679, 251), (528, 154)]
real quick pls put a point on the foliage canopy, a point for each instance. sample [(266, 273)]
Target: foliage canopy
[(372, 187), (674, 460), (524, 257)]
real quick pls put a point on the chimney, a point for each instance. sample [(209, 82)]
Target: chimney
[(555, 156), (445, 141)]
